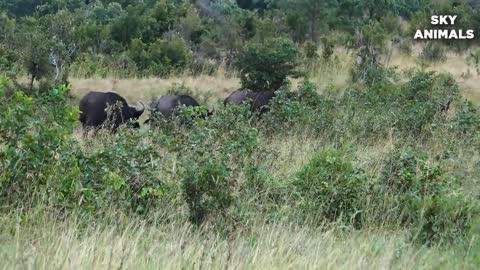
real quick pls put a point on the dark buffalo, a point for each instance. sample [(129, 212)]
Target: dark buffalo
[(168, 105), (259, 100), (98, 109)]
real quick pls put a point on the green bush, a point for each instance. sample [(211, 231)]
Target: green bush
[(161, 57), (305, 110), (213, 152), (310, 51), (122, 172), (329, 187), (207, 189), (328, 45), (266, 66), (425, 99), (37, 155), (371, 45), (42, 163), (424, 197), (468, 119)]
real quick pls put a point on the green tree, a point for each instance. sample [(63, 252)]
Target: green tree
[(127, 26), (34, 47), (315, 13), (62, 33), (266, 66)]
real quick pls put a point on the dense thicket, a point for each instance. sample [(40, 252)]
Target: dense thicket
[(48, 40)]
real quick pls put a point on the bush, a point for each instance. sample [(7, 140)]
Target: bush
[(207, 190), (304, 110), (213, 152), (426, 98), (42, 163), (310, 51), (424, 197), (167, 57), (123, 173), (371, 44), (38, 155), (328, 45), (468, 119), (266, 66), (330, 188)]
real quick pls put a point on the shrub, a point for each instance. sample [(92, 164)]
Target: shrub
[(371, 44), (433, 53), (207, 189), (266, 66), (330, 187), (42, 163), (328, 45), (304, 110), (424, 197), (310, 51), (34, 55), (38, 155), (122, 173), (426, 98), (468, 119), (213, 152)]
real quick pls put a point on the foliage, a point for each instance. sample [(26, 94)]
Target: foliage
[(304, 110), (266, 66), (428, 198), (371, 44), (427, 97), (41, 158), (158, 38), (213, 152), (37, 156), (329, 187), (328, 45)]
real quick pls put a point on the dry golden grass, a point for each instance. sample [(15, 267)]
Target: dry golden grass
[(334, 75), (145, 89), (134, 245), (455, 64)]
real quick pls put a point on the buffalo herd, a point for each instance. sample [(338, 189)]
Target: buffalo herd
[(110, 110)]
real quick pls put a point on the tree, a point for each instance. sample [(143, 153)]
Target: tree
[(266, 66), (371, 43), (62, 33), (315, 12), (34, 46), (127, 26)]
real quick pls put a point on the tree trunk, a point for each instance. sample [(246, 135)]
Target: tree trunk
[(31, 82), (314, 13)]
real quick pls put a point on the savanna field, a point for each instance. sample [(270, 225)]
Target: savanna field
[(367, 157)]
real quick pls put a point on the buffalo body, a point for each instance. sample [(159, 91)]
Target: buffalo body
[(98, 109), (258, 100)]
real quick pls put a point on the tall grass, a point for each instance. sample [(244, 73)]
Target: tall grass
[(44, 243)]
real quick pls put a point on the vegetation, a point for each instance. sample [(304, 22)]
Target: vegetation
[(57, 39)]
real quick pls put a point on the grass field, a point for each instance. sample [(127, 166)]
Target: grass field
[(45, 244), (35, 240), (219, 86)]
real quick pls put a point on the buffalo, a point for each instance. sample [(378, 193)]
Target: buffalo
[(109, 109), (167, 106), (259, 100)]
